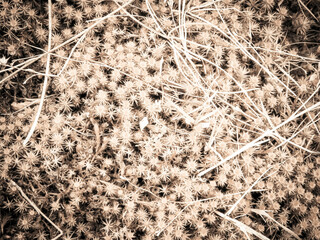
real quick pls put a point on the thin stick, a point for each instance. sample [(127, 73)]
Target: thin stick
[(238, 44), (265, 134), (126, 179), (45, 83), (184, 202), (26, 64), (287, 140), (70, 55), (236, 153), (263, 213), (37, 209), (300, 2), (160, 231), (82, 34), (30, 61), (246, 192), (244, 228)]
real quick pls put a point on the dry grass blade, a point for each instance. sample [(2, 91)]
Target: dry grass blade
[(37, 209), (288, 140), (70, 55), (267, 133), (242, 226), (23, 66), (246, 192), (232, 38), (263, 213), (170, 112), (82, 34), (160, 231), (301, 2), (189, 119), (255, 142), (32, 60)]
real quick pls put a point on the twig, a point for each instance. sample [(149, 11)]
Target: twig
[(263, 213), (37, 209), (45, 83), (30, 61), (243, 149), (267, 133), (300, 2), (244, 228), (160, 231), (246, 192)]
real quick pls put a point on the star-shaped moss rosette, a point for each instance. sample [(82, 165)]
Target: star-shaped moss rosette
[(159, 119)]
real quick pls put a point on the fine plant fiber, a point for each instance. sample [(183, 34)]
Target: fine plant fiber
[(159, 119)]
